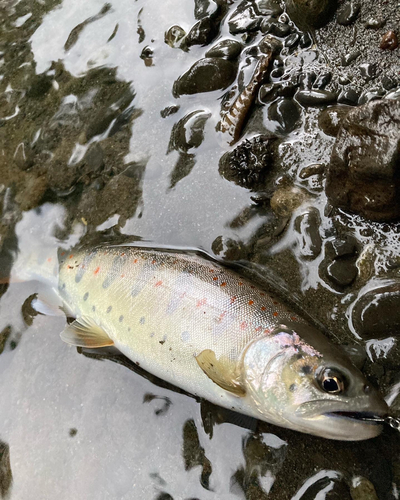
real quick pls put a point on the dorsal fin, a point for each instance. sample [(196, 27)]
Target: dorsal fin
[(222, 372), (84, 332)]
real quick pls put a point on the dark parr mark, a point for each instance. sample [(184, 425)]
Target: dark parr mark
[(85, 297), (84, 265), (93, 308), (109, 308), (142, 320), (121, 318), (306, 369), (115, 271)]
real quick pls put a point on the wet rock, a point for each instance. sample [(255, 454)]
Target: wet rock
[(292, 40), (201, 33), (345, 246), (364, 171), (388, 83), (285, 114), (310, 170), (362, 489), (370, 96), (285, 200), (376, 313), (267, 93), (269, 8), (34, 189), (203, 8), (206, 75), (245, 18), (348, 96), (275, 28), (173, 37), (342, 272), (311, 13), (327, 485), (350, 57), (330, 119), (368, 71), (188, 132), (348, 13), (315, 97), (228, 49), (309, 239), (248, 164), (389, 41), (375, 23), (305, 40), (169, 110), (323, 80)]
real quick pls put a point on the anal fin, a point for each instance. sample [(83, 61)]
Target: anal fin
[(222, 372), (84, 332)]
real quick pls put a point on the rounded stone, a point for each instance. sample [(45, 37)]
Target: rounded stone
[(285, 200), (342, 271), (389, 41), (348, 13), (331, 118), (228, 49), (311, 13), (206, 75), (284, 114), (376, 313)]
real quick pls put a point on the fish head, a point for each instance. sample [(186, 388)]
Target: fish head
[(296, 378)]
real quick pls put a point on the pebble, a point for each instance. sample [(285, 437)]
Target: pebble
[(388, 83), (375, 23), (362, 489), (368, 71), (309, 239), (323, 80), (315, 97), (204, 8), (292, 40), (369, 96), (244, 19), (174, 36), (376, 313), (348, 96), (188, 132), (206, 75), (344, 247), (311, 13), (342, 271), (270, 8), (94, 158), (228, 49), (23, 156), (348, 13), (389, 41), (305, 40), (350, 57), (285, 113), (310, 170), (285, 200), (267, 93)]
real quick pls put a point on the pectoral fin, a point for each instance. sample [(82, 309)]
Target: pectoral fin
[(84, 332), (222, 372)]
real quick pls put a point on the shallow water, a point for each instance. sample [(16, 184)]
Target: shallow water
[(78, 427)]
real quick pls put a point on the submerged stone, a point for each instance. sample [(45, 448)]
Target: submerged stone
[(364, 171), (228, 49), (311, 13)]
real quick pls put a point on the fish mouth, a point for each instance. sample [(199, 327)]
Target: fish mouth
[(362, 416)]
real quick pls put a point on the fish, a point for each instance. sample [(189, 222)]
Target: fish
[(204, 328)]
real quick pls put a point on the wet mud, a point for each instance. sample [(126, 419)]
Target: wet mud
[(110, 132)]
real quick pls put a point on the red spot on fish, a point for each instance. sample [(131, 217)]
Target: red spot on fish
[(159, 283), (233, 299), (71, 256), (251, 302), (262, 294), (240, 283), (258, 328), (70, 267), (221, 316), (62, 254), (122, 254), (135, 261), (263, 308), (215, 278), (223, 283), (201, 302), (153, 261), (275, 302), (211, 270), (122, 275), (267, 330), (293, 318), (243, 325), (49, 259), (252, 286), (275, 314), (96, 270)]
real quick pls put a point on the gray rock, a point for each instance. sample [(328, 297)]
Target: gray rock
[(348, 13), (311, 13), (307, 225), (330, 119)]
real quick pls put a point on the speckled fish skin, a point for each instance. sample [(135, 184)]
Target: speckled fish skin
[(162, 309)]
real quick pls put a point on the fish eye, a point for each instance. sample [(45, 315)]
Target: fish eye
[(331, 381)]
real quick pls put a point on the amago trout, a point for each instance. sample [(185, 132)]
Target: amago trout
[(207, 330)]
